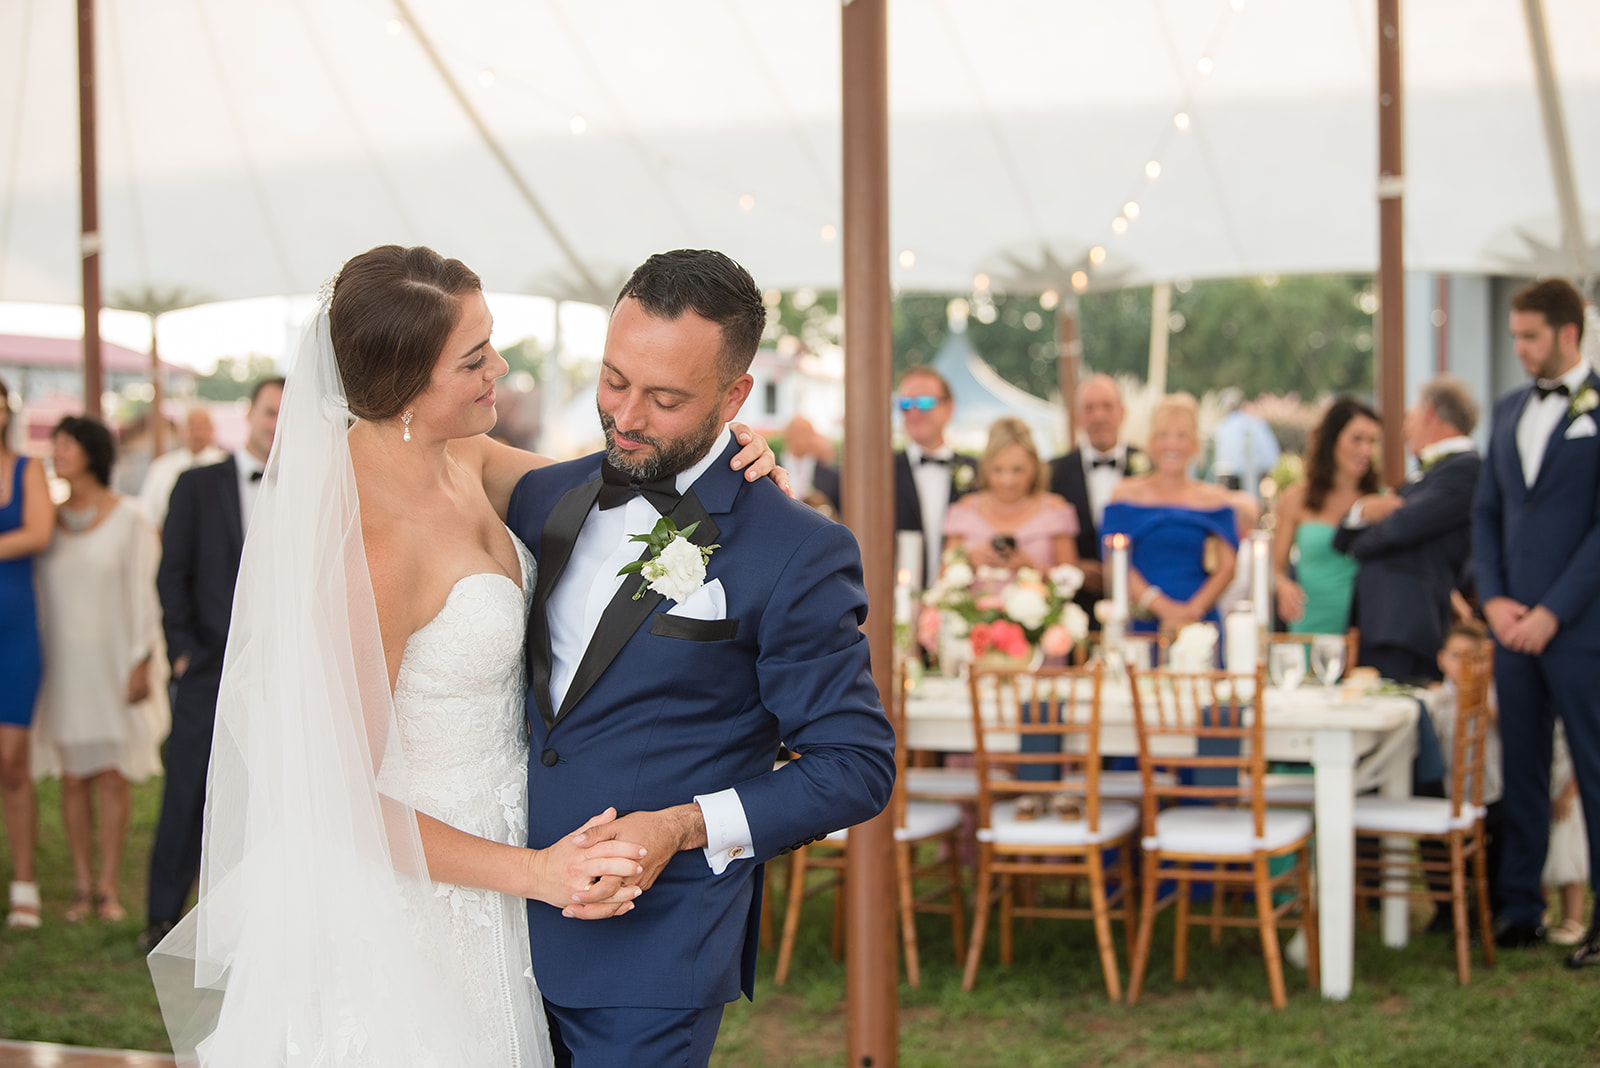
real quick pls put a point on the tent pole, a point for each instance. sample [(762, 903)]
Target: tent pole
[(89, 238), (872, 968), (1555, 139), (158, 426), (1391, 252)]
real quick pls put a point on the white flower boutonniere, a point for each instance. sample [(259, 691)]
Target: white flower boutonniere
[(1585, 400), (961, 477), (1138, 463), (676, 567)]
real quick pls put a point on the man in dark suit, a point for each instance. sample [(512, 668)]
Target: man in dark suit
[(201, 541), (809, 459), (1413, 546), (1089, 474), (670, 701), (928, 475), (1536, 522)]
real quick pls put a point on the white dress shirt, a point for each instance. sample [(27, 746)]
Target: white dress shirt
[(933, 496), (248, 465), (1540, 418), (587, 584), (1102, 481)]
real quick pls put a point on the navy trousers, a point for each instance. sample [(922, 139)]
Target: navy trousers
[(632, 1037), (1533, 691), (175, 853)]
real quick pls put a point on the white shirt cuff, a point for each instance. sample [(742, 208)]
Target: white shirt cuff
[(727, 831), (1354, 520)]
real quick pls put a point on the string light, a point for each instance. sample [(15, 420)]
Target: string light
[(1152, 170), (829, 232), (908, 259), (1097, 255), (1049, 299), (1204, 66), (1119, 226), (747, 202), (980, 281), (1131, 209), (1080, 281), (1181, 120), (579, 125), (395, 26), (486, 78)]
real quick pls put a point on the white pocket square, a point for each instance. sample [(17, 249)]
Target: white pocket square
[(1582, 427), (708, 602)]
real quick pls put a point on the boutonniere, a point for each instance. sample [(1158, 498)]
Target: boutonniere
[(676, 567), (1585, 400), (961, 476), (1138, 463)]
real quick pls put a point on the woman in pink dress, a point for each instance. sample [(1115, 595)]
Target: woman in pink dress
[(1011, 521)]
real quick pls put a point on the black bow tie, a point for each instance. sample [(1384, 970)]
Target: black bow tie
[(1102, 461), (255, 476), (942, 460), (618, 487), (1560, 388)]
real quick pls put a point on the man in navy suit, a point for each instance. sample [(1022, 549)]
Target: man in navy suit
[(1088, 475), (200, 545), (1536, 529), (1414, 546), (673, 710), (929, 476)]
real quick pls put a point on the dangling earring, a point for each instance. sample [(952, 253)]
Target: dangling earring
[(405, 419)]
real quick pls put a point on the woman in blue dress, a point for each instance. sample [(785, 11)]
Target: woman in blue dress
[(1183, 532), (26, 519)]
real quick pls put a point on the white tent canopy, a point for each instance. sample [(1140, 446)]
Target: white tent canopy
[(247, 149)]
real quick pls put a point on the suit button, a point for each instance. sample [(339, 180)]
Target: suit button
[(548, 758)]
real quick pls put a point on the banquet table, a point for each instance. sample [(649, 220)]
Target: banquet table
[(1351, 745)]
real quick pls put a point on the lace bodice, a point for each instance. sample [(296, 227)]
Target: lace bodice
[(458, 700)]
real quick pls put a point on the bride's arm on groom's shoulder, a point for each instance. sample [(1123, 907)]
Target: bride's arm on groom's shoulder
[(583, 880), (501, 466)]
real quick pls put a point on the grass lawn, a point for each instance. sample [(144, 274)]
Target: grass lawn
[(87, 985)]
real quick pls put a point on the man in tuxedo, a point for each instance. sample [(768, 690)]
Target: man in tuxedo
[(1536, 525), (928, 475), (201, 541), (197, 450), (673, 709), (1413, 546), (809, 459), (1088, 475)]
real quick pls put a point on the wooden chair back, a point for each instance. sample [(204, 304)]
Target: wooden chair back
[(1471, 733)]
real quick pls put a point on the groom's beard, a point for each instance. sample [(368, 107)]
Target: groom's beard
[(670, 456)]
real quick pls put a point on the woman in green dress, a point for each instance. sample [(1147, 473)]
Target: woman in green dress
[(1315, 599)]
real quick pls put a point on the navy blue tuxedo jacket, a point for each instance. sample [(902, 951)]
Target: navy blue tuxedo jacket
[(1411, 560), (1540, 544), (200, 546), (663, 708)]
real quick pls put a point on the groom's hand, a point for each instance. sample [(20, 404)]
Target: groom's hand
[(583, 877), (663, 834)]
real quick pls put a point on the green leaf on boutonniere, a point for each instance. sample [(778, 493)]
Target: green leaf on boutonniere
[(1138, 464), (674, 574)]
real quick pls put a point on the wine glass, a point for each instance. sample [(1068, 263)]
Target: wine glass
[(1327, 657), (1286, 665)]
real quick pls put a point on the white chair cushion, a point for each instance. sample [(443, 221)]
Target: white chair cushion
[(1117, 818), (924, 819), (956, 783), (1412, 815), (1225, 831)]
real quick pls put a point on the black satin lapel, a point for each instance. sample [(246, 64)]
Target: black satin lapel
[(560, 534), (233, 508), (624, 615)]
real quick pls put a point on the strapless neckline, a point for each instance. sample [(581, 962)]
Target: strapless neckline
[(456, 587)]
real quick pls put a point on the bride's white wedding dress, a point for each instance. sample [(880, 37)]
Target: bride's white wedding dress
[(458, 702)]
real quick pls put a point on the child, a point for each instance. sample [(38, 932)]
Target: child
[(1566, 865), (1464, 640)]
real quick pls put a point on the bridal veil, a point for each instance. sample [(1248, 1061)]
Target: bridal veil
[(301, 950)]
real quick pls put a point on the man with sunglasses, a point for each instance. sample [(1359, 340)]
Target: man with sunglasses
[(928, 475)]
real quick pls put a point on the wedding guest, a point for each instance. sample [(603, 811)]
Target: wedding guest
[(929, 476), (1315, 599), (26, 518), (1087, 476), (200, 546), (1566, 864), (1536, 547), (1412, 547), (1183, 533), (813, 468), (1245, 450), (1011, 521), (102, 711), (198, 449)]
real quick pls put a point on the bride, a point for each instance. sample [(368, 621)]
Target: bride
[(364, 867)]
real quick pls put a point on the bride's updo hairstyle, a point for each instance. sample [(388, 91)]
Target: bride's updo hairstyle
[(393, 310)]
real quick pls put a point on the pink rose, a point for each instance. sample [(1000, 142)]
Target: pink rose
[(1009, 638), (991, 603), (928, 624), (979, 636), (1056, 641)]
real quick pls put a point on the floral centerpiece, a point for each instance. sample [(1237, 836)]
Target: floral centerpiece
[(992, 613)]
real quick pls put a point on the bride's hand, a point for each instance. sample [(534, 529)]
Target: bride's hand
[(757, 459), (585, 881)]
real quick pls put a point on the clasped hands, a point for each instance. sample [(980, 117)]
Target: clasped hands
[(598, 870), (1520, 628)]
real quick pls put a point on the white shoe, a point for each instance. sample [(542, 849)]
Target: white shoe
[(24, 914), (1295, 951)]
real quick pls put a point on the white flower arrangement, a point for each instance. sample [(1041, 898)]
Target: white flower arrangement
[(962, 477), (1585, 400), (676, 568), (1004, 612)]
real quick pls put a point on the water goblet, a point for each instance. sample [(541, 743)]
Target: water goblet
[(1327, 657), (1286, 665)]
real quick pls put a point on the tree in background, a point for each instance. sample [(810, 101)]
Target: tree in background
[(234, 377)]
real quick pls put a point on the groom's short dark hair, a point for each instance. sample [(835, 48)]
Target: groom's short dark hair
[(712, 286), (1557, 299)]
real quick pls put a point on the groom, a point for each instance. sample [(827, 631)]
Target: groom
[(673, 710)]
